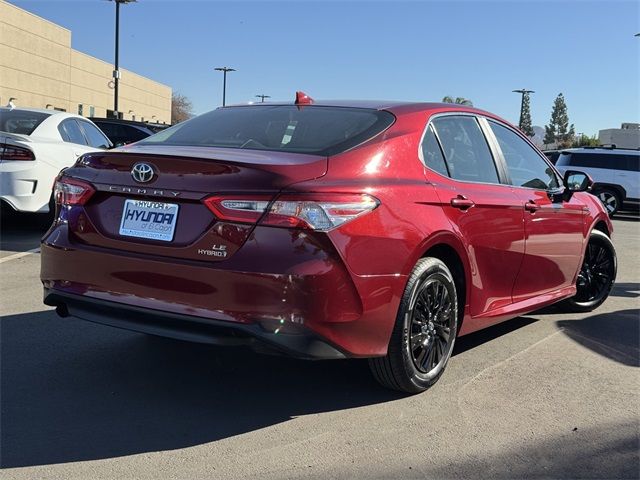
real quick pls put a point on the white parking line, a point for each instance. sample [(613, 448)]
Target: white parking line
[(15, 256)]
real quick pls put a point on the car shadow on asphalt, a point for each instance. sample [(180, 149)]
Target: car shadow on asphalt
[(615, 335), (75, 391), (626, 290), (21, 232)]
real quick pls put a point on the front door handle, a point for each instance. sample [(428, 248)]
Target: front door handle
[(531, 206), (462, 202)]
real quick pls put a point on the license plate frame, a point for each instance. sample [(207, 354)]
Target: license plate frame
[(149, 220)]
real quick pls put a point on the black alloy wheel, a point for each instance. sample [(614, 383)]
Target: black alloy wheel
[(597, 274), (425, 330), (430, 326)]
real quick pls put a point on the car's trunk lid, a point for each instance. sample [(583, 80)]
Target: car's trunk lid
[(182, 176)]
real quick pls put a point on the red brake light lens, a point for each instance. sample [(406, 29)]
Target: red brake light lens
[(321, 212), (16, 153), (238, 208), (71, 191)]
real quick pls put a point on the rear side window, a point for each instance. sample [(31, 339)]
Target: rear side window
[(465, 149), (70, 131), (610, 161), (432, 154), (285, 128), (633, 163), (95, 137), (20, 121), (526, 167)]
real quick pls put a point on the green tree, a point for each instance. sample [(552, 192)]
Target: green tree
[(558, 130), (458, 100), (585, 141), (525, 117)]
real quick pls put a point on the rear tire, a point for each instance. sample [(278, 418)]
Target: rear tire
[(424, 333), (610, 199), (597, 275)]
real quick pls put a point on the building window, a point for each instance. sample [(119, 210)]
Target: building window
[(80, 109), (92, 111)]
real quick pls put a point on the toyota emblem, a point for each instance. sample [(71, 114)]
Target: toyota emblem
[(142, 172)]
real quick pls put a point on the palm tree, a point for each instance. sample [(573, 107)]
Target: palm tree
[(458, 100)]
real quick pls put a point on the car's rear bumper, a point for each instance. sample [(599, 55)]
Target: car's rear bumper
[(302, 343), (26, 186), (294, 296)]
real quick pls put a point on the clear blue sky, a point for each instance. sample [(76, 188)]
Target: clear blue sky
[(414, 50)]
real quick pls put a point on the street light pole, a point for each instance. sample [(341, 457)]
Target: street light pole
[(262, 97), (224, 71), (523, 92), (116, 71)]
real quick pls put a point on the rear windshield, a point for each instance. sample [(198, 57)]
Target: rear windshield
[(594, 160), (20, 121), (284, 128)]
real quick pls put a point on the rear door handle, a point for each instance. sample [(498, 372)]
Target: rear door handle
[(531, 206), (462, 202)]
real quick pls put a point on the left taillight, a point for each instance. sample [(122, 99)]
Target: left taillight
[(13, 153), (71, 191)]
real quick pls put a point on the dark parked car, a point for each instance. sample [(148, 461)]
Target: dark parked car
[(327, 230), (552, 155), (123, 132)]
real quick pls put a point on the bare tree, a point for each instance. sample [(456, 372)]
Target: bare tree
[(181, 108)]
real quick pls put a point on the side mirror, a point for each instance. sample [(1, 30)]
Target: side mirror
[(576, 181)]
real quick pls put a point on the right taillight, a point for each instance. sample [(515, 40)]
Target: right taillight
[(71, 191), (12, 153), (316, 211)]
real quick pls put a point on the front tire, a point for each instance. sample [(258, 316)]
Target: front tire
[(424, 333), (597, 275)]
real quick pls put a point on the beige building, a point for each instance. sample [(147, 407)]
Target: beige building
[(39, 69)]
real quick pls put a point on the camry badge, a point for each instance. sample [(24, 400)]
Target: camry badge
[(142, 172)]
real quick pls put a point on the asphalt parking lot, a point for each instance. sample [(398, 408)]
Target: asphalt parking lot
[(546, 395)]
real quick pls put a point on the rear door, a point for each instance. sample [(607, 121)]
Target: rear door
[(553, 225), (484, 212)]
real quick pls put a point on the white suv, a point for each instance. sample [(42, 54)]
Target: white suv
[(615, 171)]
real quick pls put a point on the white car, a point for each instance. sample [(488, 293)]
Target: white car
[(615, 172), (34, 146)]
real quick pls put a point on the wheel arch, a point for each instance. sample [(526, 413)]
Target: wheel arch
[(611, 186), (449, 249)]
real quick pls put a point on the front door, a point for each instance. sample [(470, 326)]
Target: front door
[(553, 226)]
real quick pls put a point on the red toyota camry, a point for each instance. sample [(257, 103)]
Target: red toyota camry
[(327, 230)]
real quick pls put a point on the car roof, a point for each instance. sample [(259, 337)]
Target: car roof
[(37, 110), (603, 150), (393, 106)]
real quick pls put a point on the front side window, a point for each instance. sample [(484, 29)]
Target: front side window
[(432, 154), (465, 149), (526, 167), (70, 131), (95, 137)]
